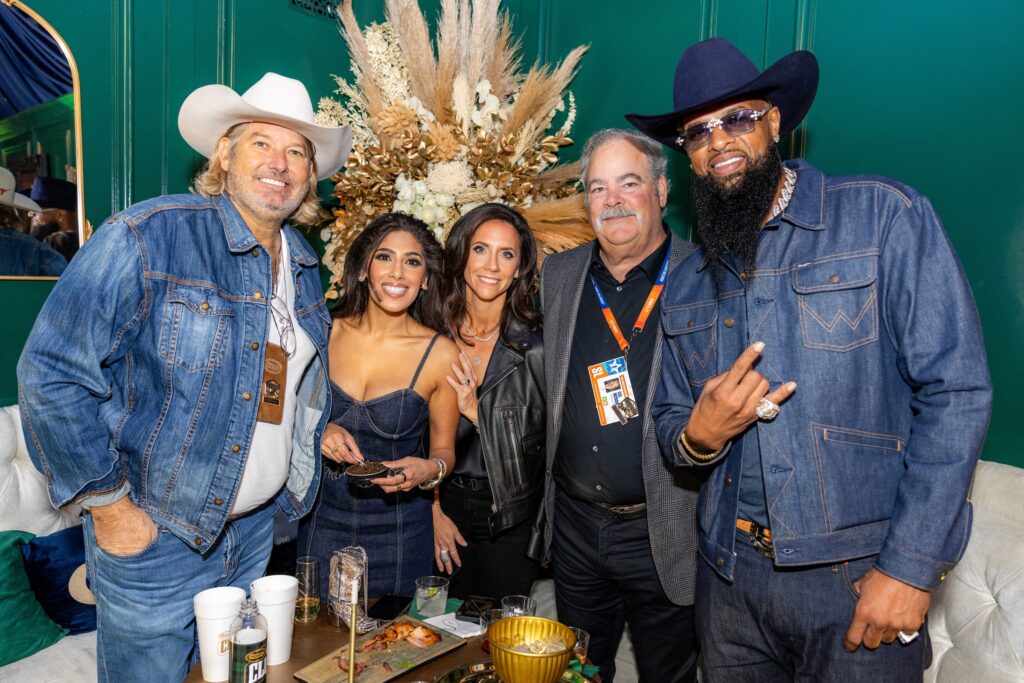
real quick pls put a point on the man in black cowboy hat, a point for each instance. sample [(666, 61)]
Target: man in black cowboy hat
[(58, 202), (831, 511)]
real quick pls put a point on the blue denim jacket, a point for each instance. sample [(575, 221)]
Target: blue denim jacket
[(143, 370), (862, 302)]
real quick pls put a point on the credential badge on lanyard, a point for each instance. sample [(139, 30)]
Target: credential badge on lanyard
[(613, 390)]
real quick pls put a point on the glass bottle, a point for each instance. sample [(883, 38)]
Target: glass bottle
[(248, 645)]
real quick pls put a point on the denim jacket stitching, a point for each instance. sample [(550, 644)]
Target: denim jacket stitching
[(900, 444), (870, 307), (873, 184), (172, 480), (819, 463), (778, 519)]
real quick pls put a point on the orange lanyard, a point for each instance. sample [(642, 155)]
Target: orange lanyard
[(645, 312)]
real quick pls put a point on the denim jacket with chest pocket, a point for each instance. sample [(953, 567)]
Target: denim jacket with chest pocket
[(860, 300), (144, 367)]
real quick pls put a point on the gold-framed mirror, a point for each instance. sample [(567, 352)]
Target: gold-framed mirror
[(42, 187)]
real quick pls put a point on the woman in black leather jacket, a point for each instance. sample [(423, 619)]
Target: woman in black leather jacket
[(484, 511)]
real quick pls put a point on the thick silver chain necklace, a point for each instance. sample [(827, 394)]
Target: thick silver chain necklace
[(787, 193)]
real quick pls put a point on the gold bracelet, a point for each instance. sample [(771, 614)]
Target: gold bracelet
[(694, 453)]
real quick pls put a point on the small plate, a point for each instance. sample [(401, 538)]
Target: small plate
[(362, 473)]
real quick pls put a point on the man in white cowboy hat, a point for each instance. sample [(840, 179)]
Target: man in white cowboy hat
[(831, 510), (174, 382), (20, 254)]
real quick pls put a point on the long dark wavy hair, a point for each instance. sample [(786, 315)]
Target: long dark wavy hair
[(518, 298), (428, 308)]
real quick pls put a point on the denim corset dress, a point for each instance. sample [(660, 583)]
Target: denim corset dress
[(395, 529)]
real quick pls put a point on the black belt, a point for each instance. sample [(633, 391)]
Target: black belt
[(470, 483), (623, 512)]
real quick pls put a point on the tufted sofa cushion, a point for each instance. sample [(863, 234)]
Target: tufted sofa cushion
[(24, 505), (976, 620)]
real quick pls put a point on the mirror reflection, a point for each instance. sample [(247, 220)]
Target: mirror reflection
[(40, 147)]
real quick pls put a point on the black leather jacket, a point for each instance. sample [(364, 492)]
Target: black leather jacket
[(510, 419)]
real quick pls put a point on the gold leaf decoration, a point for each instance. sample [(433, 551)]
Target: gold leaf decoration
[(441, 125)]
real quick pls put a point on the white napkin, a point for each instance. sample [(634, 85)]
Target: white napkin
[(448, 622)]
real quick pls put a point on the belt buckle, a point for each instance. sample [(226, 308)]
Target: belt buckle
[(760, 537), (627, 511)]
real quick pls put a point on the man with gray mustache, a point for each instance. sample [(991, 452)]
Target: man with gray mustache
[(613, 519)]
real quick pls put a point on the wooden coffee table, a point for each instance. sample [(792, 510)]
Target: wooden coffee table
[(312, 641)]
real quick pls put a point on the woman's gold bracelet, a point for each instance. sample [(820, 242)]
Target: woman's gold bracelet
[(694, 453)]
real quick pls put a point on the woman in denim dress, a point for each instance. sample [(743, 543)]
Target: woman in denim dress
[(388, 369)]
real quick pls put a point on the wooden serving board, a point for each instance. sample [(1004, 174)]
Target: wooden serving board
[(401, 656)]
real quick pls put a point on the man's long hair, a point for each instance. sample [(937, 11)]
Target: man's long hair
[(212, 179)]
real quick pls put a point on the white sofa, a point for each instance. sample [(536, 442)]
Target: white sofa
[(977, 617), (24, 506), (976, 621)]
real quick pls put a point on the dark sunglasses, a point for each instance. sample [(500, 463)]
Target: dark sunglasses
[(735, 123)]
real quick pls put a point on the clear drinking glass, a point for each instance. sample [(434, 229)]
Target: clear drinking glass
[(519, 606), (488, 617), (579, 650), (431, 595), (307, 605)]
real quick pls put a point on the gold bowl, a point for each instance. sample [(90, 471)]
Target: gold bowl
[(528, 667)]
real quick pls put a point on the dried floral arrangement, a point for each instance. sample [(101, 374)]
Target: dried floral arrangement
[(436, 133)]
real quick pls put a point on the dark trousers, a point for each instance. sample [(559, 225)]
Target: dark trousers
[(773, 625), (492, 566), (604, 579)]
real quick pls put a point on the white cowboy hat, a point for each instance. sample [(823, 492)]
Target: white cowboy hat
[(211, 110), (8, 195)]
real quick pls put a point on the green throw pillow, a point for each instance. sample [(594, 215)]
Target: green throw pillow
[(24, 627)]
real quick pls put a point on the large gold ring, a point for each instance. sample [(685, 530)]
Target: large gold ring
[(405, 477)]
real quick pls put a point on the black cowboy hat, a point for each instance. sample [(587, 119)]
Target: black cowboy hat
[(714, 72), (54, 193)]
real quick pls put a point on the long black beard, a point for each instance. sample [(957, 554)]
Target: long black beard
[(729, 218)]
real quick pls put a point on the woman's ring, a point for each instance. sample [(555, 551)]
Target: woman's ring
[(445, 557), (468, 380), (405, 477), (766, 410)]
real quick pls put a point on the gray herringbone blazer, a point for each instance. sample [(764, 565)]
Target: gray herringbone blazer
[(671, 492)]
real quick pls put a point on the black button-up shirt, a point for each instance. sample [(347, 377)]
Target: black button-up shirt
[(603, 464)]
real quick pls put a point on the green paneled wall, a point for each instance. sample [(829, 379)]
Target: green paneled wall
[(49, 126), (901, 90)]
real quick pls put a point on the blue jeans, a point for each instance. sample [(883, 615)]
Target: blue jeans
[(773, 624), (146, 624)]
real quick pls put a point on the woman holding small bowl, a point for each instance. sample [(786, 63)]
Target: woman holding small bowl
[(388, 371)]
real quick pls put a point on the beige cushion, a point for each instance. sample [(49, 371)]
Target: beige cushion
[(24, 504), (976, 620)]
